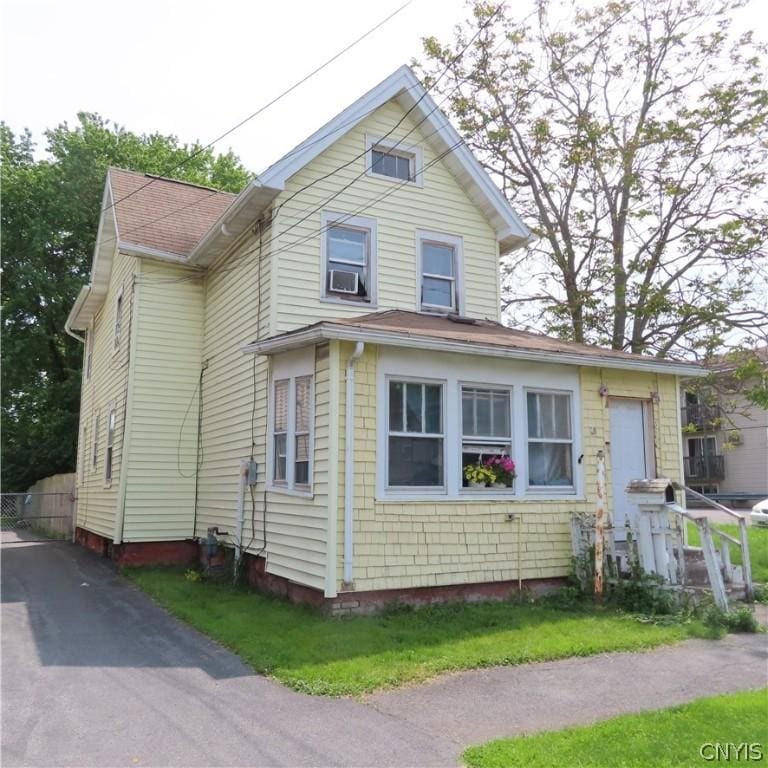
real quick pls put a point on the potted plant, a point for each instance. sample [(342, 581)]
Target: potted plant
[(479, 475), (503, 469)]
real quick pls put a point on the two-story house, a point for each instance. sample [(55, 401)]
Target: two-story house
[(316, 367)]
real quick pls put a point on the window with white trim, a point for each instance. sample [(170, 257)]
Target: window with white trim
[(118, 317), (439, 258), (83, 453), (292, 433), (349, 258), (391, 159), (486, 427), (95, 447), (110, 447), (550, 440), (416, 437), (89, 354)]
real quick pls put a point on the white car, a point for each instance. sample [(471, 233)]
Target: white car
[(759, 513)]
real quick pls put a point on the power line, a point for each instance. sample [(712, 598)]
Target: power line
[(266, 106)]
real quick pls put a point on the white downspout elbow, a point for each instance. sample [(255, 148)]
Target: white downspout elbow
[(349, 461)]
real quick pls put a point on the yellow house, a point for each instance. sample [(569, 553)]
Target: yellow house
[(314, 373)]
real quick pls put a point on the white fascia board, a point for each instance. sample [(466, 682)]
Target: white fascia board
[(154, 254), (329, 331), (72, 319)]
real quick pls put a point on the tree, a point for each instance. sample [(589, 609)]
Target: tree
[(633, 136), (50, 216)]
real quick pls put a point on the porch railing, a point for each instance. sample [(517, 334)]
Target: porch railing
[(700, 416), (704, 467)]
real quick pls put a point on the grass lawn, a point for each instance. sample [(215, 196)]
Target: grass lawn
[(335, 657), (758, 547), (660, 739)]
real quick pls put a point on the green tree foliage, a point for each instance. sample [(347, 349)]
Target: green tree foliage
[(633, 137), (50, 214)]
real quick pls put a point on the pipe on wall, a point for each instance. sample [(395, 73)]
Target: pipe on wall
[(349, 460)]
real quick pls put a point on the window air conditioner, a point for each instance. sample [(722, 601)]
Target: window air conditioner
[(344, 282)]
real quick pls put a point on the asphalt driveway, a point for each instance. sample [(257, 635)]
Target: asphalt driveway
[(95, 674)]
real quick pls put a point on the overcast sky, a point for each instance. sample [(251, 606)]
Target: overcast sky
[(195, 68)]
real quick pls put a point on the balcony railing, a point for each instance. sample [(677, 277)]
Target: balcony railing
[(701, 416), (701, 468)]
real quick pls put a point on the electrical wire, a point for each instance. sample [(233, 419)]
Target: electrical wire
[(266, 106)]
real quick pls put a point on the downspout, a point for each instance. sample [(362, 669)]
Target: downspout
[(349, 460)]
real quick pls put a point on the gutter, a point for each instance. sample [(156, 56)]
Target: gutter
[(349, 463), (85, 292), (329, 331)]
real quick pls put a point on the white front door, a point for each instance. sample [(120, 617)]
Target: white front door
[(629, 456)]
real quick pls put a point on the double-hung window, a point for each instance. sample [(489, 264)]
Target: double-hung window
[(415, 437), (118, 317), (109, 453), (439, 258), (486, 430), (349, 258), (95, 447), (550, 440), (292, 432)]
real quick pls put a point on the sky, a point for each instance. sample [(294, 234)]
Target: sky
[(196, 68)]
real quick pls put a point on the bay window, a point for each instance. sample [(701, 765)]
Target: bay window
[(550, 439), (415, 435)]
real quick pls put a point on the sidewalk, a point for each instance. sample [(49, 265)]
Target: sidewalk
[(474, 707)]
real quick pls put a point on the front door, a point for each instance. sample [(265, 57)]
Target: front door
[(629, 456)]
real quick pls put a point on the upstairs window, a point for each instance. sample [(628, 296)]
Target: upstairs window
[(292, 433), (95, 448), (89, 354), (390, 159), (550, 440), (349, 258), (439, 272), (118, 317)]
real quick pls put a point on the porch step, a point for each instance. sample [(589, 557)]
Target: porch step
[(696, 576)]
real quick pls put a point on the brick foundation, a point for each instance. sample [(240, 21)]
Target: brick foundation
[(184, 552), (349, 603)]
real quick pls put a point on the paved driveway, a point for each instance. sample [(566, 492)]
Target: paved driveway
[(95, 674)]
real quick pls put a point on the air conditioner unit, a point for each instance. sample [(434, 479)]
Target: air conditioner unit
[(344, 282)]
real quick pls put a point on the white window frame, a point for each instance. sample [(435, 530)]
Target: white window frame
[(118, 320), (88, 353), (509, 441), (537, 489), (109, 445), (392, 146), (334, 218), (83, 454), (291, 366), (407, 490), (455, 242), (457, 371), (95, 446)]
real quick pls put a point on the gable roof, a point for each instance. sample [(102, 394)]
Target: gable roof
[(404, 87), (442, 333)]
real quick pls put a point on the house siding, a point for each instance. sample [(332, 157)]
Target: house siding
[(402, 545), (441, 205), (160, 481), (746, 464), (107, 385)]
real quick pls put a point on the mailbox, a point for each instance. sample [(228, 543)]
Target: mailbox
[(651, 493)]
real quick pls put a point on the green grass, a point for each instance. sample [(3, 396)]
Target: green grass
[(660, 739), (757, 537), (355, 655)]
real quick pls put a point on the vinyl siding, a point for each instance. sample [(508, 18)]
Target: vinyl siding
[(431, 543), (746, 465), (441, 205), (160, 483), (108, 384)]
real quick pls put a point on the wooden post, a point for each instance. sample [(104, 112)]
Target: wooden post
[(710, 560), (600, 516)]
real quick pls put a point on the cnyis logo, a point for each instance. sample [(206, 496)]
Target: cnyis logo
[(731, 753)]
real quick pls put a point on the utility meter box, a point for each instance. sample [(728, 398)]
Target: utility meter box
[(651, 493)]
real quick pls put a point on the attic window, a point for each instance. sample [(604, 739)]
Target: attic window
[(390, 159)]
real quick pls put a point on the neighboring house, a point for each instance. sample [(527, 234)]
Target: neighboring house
[(725, 437), (338, 322)]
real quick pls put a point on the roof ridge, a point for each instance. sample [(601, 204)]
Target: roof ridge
[(171, 181)]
